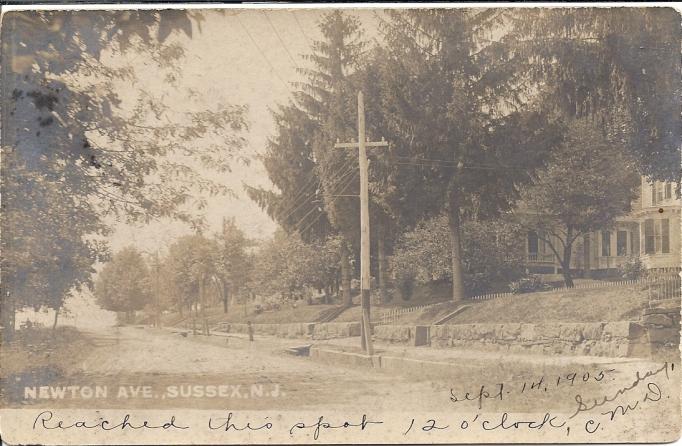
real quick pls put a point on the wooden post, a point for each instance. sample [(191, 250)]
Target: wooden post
[(364, 228), (362, 144), (157, 291), (381, 260)]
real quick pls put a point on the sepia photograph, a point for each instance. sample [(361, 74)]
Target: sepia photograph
[(355, 224)]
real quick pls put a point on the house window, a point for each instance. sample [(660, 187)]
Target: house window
[(665, 236), (621, 243), (605, 243), (668, 190), (653, 193), (532, 242), (649, 237), (657, 236), (634, 242)]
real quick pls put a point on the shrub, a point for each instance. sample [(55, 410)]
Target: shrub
[(632, 268), (492, 254), (528, 284), (406, 284)]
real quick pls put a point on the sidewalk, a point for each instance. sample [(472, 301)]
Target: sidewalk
[(423, 361), (460, 356)]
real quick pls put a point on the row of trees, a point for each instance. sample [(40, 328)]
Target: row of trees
[(484, 109), (199, 271), (195, 269)]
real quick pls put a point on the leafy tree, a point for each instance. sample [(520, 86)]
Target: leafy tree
[(289, 267), (192, 263), (65, 126), (470, 96), (165, 295), (493, 252), (588, 182), (325, 265), (234, 264), (450, 95), (107, 149), (123, 285), (281, 265)]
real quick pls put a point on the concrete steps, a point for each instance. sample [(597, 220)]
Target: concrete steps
[(447, 317)]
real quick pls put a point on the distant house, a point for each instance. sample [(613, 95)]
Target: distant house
[(651, 231)]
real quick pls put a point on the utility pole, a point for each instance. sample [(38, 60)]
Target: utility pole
[(157, 314), (362, 144)]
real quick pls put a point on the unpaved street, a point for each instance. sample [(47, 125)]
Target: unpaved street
[(200, 372)]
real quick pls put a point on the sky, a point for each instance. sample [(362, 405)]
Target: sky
[(238, 57)]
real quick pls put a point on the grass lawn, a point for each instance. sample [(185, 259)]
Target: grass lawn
[(616, 303), (425, 316), (236, 314), (40, 355), (439, 293), (584, 305)]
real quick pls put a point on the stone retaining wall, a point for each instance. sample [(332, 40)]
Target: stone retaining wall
[(663, 326), (658, 329), (615, 339), (403, 334), (330, 330), (320, 331)]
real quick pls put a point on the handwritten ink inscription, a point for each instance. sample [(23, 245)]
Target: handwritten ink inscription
[(644, 390)]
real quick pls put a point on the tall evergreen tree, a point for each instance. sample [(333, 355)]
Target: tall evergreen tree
[(454, 111), (300, 160)]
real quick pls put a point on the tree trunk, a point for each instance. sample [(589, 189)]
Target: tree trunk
[(203, 300), (381, 258), (566, 265), (226, 296), (345, 276), (235, 293), (456, 251), (56, 316), (586, 256)]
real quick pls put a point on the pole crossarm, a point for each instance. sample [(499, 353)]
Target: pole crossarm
[(355, 145)]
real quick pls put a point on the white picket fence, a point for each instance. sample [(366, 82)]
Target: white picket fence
[(392, 315), (663, 287), (657, 287)]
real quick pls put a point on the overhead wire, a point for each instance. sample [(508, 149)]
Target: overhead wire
[(301, 197), (334, 198), (347, 182), (286, 49), (310, 42), (272, 68)]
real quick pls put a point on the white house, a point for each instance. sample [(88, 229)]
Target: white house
[(651, 230)]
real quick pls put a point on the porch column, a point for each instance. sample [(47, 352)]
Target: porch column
[(586, 256)]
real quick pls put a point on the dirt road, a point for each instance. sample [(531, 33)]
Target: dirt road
[(128, 366)]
